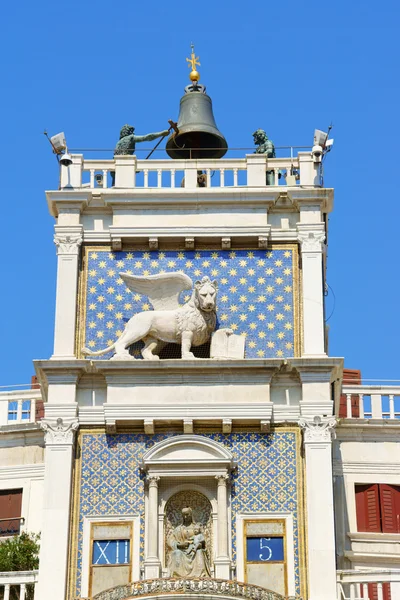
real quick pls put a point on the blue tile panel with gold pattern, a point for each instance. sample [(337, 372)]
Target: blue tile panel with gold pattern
[(266, 480), (256, 295)]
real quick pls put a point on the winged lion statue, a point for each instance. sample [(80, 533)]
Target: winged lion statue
[(189, 325)]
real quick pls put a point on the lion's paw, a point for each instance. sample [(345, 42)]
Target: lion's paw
[(122, 357), (189, 356)]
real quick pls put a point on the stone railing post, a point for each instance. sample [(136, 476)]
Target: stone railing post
[(317, 436), (68, 240), (71, 177), (152, 561), (125, 171), (59, 439), (256, 170), (309, 170), (222, 561), (311, 237)]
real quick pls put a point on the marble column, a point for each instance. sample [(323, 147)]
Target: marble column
[(152, 561), (55, 536), (68, 240), (222, 561), (311, 237), (320, 515)]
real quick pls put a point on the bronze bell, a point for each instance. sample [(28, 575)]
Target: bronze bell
[(198, 135)]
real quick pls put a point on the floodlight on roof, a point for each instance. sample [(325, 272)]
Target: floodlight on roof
[(320, 138), (59, 143)]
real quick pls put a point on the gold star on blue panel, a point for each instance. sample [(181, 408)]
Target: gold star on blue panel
[(255, 294)]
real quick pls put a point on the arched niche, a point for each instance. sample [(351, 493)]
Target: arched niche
[(187, 464)]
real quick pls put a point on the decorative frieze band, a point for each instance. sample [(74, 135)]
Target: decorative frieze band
[(206, 586), (59, 432), (317, 430)]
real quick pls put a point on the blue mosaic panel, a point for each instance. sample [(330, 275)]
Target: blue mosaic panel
[(255, 295), (266, 479)]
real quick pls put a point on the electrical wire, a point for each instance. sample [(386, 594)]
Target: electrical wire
[(334, 302)]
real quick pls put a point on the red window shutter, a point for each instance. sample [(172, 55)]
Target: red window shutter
[(350, 377), (373, 591), (390, 507), (10, 508), (367, 508), (39, 412)]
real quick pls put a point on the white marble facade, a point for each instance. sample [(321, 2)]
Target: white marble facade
[(180, 416)]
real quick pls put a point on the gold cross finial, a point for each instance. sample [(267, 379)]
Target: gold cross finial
[(193, 62)]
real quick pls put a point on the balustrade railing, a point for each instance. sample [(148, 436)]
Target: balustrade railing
[(255, 170), (376, 584), (23, 406), (11, 526), (18, 585), (372, 402)]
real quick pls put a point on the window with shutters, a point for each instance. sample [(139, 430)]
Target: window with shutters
[(378, 508), (350, 377), (10, 512)]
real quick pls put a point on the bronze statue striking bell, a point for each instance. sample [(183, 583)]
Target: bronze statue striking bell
[(198, 135)]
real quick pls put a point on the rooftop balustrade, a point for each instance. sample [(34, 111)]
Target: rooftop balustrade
[(368, 584), (372, 401), (129, 172), (20, 407)]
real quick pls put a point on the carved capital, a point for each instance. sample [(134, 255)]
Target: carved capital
[(311, 240), (58, 432), (68, 243), (222, 479), (152, 480), (318, 430)]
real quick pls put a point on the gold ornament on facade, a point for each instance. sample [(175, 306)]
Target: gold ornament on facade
[(193, 62)]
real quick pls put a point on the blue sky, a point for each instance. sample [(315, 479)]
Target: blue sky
[(87, 68)]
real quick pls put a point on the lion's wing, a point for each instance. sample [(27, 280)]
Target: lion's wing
[(162, 290)]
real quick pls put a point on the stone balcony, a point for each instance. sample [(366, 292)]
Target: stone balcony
[(20, 407), (129, 172), (126, 200), (372, 403), (18, 584)]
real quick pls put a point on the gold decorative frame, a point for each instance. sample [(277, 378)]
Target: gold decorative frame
[(112, 524), (245, 536), (83, 277), (301, 508)]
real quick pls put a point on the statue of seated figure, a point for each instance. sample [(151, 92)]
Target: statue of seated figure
[(187, 556)]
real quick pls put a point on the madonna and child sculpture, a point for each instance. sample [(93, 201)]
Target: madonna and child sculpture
[(187, 556), (189, 325)]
